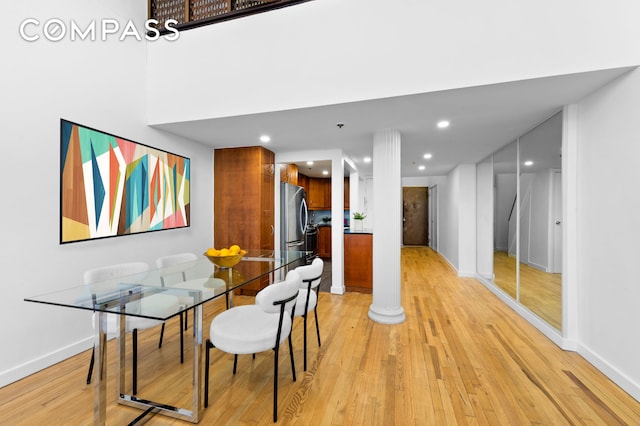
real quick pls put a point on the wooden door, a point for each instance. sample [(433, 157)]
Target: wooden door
[(415, 211)]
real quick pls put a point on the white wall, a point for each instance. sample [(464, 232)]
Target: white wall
[(608, 230), (101, 85), (484, 219), (457, 219), (448, 204), (331, 51), (467, 221)]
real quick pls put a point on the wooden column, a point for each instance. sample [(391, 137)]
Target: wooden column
[(387, 228)]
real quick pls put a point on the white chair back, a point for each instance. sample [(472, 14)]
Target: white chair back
[(276, 292), (175, 264), (133, 271), (307, 272)]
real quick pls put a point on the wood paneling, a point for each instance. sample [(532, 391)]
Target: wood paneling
[(461, 357), (244, 200), (358, 261)]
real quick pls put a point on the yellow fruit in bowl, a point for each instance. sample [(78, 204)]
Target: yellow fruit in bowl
[(224, 252), (234, 249), (212, 252)]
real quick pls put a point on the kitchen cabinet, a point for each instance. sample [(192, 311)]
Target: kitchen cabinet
[(319, 194), (303, 181), (346, 193), (358, 262), (244, 201), (324, 242), (289, 174)]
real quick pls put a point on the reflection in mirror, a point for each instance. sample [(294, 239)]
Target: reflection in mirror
[(540, 197), (484, 214), (505, 218)]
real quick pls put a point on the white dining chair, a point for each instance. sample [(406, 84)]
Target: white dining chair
[(178, 264), (158, 304), (250, 329), (310, 276)]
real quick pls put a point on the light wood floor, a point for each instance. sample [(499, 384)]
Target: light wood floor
[(461, 357)]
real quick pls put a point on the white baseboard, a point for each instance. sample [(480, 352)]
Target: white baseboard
[(337, 289), (616, 376), (26, 369)]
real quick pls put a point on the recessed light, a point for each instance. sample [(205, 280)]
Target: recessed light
[(265, 138), (309, 163), (427, 156), (443, 124), (367, 159), (528, 163), (325, 172), (421, 167)]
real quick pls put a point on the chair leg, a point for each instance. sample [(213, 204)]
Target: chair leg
[(235, 362), (181, 337), (135, 360), (208, 345), (305, 341), (293, 365), (315, 312), (275, 384), (161, 336), (93, 357)]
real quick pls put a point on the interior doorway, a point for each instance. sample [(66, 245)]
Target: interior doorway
[(415, 215)]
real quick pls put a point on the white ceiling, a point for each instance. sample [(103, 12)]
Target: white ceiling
[(483, 119)]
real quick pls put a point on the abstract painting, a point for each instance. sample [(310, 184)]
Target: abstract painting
[(110, 186)]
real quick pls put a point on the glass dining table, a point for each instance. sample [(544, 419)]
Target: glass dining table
[(193, 284)]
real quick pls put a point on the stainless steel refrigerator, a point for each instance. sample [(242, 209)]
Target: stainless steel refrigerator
[(293, 217)]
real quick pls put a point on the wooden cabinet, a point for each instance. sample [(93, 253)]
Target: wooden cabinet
[(244, 201), (346, 193), (324, 242), (289, 174), (358, 262), (303, 181), (319, 194)]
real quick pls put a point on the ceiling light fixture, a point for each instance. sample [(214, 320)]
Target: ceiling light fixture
[(427, 156), (443, 124), (421, 167), (367, 159), (265, 138), (325, 172), (309, 163), (528, 163)]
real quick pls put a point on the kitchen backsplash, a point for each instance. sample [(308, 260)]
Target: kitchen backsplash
[(315, 216)]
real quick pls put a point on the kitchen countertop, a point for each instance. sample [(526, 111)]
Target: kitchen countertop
[(347, 230), (353, 231)]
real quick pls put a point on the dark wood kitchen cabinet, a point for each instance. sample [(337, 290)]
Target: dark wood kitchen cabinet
[(319, 194), (244, 201), (358, 262), (347, 191), (289, 174), (324, 242)]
